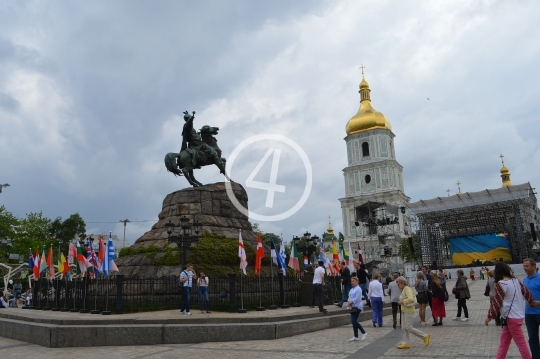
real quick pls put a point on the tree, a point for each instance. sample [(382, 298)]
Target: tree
[(8, 224), (34, 232), (405, 250), (65, 231)]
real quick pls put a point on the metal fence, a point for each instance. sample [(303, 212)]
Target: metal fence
[(119, 294)]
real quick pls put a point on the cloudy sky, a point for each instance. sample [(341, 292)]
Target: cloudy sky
[(92, 95)]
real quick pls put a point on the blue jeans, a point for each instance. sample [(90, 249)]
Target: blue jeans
[(186, 296), (356, 325), (344, 293), (203, 294), (364, 293), (532, 321), (377, 313)]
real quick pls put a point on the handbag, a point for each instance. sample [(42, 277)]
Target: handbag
[(354, 310), (503, 320)]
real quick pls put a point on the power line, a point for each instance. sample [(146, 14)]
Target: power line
[(146, 220)]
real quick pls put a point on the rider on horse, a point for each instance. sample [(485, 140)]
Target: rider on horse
[(193, 143)]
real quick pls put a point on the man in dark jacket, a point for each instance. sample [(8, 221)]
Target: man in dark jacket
[(345, 283), (363, 282)]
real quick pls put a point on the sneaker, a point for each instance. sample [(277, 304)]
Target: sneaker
[(464, 319), (364, 336), (182, 312), (404, 346), (208, 312), (456, 318), (353, 339), (339, 305), (188, 313), (426, 340)]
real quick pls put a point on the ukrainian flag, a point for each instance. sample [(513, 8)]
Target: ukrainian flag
[(484, 247)]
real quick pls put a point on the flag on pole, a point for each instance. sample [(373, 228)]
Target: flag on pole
[(327, 263), (72, 253), (242, 253), (276, 257), (83, 262), (293, 259), (335, 256), (43, 263), (273, 251), (351, 259), (282, 256), (65, 266), (36, 266), (101, 253), (50, 263), (259, 255), (31, 261), (306, 261), (111, 254), (360, 257)]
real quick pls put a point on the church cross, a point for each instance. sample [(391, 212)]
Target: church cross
[(362, 67), (459, 188), (448, 191), (502, 158), (329, 222)]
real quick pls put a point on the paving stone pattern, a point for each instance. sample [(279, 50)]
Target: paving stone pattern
[(470, 339)]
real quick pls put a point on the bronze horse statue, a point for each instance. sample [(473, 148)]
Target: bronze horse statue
[(195, 156)]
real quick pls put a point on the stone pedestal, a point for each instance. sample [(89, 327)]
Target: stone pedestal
[(208, 205)]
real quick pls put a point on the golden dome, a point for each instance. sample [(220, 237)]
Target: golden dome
[(505, 174), (367, 118), (504, 170)]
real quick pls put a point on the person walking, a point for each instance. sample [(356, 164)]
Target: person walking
[(394, 292), (471, 273), (363, 282), (461, 291), (202, 291), (532, 315), (376, 296), (186, 281), (318, 283), (345, 283), (406, 300), (355, 307), (509, 300), (440, 295), (422, 298)]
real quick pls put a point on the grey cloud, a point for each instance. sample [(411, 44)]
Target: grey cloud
[(9, 103)]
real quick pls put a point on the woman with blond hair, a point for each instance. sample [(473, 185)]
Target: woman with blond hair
[(376, 295), (406, 300), (422, 297), (440, 295)]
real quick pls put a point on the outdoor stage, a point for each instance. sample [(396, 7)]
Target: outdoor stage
[(64, 329)]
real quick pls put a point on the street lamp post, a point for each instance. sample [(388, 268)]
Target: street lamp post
[(186, 237), (125, 221), (309, 246)]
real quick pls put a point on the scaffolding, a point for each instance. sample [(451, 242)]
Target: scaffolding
[(510, 210), (379, 231)]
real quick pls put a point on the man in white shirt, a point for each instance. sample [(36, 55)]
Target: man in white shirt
[(186, 281), (318, 283)]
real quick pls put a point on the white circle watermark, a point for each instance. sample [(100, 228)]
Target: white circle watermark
[(271, 187)]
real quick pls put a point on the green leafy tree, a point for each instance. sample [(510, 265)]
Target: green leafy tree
[(405, 250), (65, 231), (33, 232), (8, 225)]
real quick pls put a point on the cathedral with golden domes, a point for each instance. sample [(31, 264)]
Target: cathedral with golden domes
[(374, 192)]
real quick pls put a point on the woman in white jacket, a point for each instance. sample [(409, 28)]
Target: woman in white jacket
[(376, 296)]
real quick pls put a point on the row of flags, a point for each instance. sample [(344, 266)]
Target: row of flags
[(82, 261), (279, 258)]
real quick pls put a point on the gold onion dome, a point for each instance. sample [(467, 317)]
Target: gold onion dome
[(505, 174), (366, 118)]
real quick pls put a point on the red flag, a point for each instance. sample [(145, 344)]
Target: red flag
[(360, 257), (259, 255), (36, 266), (50, 263)]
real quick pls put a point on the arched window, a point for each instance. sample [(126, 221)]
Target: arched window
[(365, 149)]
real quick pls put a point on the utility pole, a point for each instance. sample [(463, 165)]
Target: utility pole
[(3, 186), (125, 221)]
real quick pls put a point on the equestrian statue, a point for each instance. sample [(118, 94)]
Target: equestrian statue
[(198, 149)]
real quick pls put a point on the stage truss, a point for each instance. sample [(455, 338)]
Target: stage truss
[(379, 233), (509, 210)]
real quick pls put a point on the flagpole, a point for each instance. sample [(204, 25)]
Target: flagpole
[(65, 294), (273, 306), (74, 298), (95, 311), (242, 310)]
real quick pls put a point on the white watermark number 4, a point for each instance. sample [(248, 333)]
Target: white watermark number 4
[(271, 186)]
